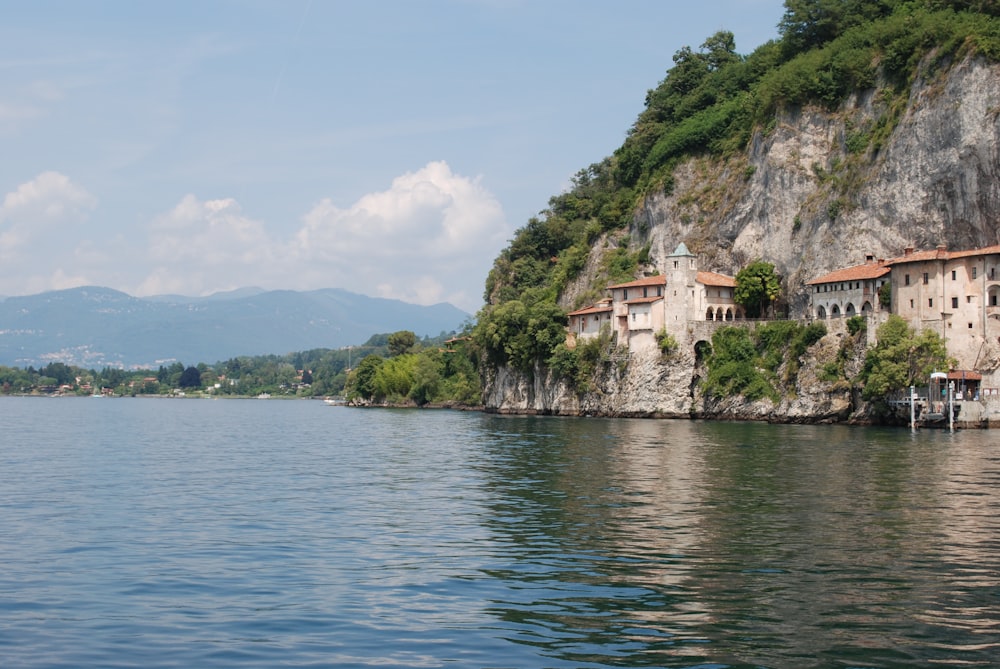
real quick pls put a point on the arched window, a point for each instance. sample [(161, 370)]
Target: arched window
[(850, 309), (835, 311), (729, 314), (866, 308), (821, 313), (710, 314)]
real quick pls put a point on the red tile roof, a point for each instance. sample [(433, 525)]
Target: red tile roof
[(964, 375), (856, 273), (658, 280), (943, 254), (592, 309), (716, 279)]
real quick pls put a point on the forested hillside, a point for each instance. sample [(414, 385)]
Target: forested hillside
[(710, 112)]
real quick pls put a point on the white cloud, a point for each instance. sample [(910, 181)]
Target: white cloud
[(47, 210), (200, 246), (430, 237), (48, 198)]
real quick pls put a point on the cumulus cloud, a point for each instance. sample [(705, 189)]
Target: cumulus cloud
[(40, 222), (48, 198), (204, 246), (429, 238)]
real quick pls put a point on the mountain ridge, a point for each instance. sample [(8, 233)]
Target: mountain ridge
[(95, 326)]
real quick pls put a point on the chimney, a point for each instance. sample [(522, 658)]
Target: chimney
[(908, 251), (869, 259)]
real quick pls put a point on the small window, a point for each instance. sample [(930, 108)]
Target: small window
[(930, 302), (926, 278), (970, 326), (906, 280), (911, 304), (675, 264), (975, 272), (954, 274), (954, 303)]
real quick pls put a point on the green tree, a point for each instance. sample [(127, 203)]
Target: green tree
[(427, 378), (808, 24), (521, 332), (394, 378), (190, 378), (757, 286), (401, 342), (364, 376), (901, 358)]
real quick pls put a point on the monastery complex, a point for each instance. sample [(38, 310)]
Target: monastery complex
[(954, 293)]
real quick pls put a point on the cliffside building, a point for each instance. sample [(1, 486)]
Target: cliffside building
[(954, 293), (848, 292), (637, 310)]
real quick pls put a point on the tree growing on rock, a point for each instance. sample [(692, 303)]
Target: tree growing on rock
[(757, 287)]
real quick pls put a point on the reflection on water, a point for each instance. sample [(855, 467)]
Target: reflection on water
[(258, 534), (679, 543)]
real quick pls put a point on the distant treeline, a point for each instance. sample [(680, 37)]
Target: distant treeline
[(396, 367)]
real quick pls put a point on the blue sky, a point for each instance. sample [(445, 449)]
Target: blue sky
[(386, 147)]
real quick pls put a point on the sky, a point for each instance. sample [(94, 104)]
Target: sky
[(386, 147)]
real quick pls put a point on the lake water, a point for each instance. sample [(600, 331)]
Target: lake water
[(198, 533)]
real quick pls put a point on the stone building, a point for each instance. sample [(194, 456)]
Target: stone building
[(848, 292), (954, 293), (635, 311)]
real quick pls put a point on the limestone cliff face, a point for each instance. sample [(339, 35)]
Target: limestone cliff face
[(811, 194), (801, 199)]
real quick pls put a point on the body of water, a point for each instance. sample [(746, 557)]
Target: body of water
[(197, 533)]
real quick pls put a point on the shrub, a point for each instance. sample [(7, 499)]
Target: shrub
[(666, 341)]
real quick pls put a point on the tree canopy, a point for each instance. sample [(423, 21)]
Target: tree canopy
[(901, 358), (190, 378), (757, 287)]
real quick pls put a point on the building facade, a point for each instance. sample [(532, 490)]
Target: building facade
[(848, 292), (954, 293), (637, 310)]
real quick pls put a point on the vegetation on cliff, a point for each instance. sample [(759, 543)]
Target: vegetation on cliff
[(758, 363), (710, 104), (901, 358)]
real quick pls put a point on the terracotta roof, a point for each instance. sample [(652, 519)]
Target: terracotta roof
[(858, 272), (658, 280), (943, 254), (716, 279), (592, 309), (644, 300), (964, 374)]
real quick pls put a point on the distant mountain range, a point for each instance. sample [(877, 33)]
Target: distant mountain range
[(94, 327)]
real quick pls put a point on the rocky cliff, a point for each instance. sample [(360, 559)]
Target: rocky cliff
[(814, 191)]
